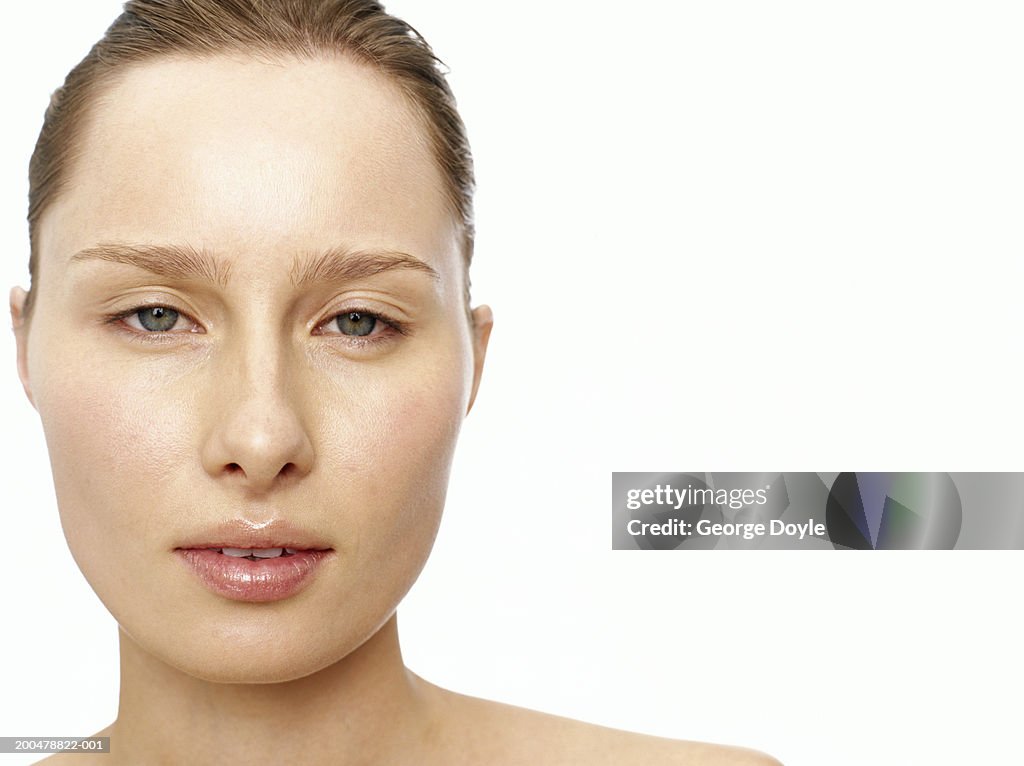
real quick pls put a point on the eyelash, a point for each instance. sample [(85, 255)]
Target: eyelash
[(391, 327)]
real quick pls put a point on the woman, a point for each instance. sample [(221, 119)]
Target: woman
[(250, 343)]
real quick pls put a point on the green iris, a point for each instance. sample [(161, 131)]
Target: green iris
[(157, 318), (355, 323)]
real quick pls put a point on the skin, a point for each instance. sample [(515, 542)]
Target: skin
[(256, 405)]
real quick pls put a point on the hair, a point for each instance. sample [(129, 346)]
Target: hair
[(148, 30)]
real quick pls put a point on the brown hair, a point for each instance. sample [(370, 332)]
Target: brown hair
[(150, 29)]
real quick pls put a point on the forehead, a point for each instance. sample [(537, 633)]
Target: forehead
[(254, 159)]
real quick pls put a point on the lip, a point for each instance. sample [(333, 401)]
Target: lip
[(241, 579), (245, 534)]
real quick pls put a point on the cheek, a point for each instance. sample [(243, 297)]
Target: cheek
[(113, 445), (393, 454)]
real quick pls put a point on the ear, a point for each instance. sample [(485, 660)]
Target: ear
[(18, 298), (483, 321)]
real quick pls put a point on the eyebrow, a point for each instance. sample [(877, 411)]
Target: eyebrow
[(185, 262)]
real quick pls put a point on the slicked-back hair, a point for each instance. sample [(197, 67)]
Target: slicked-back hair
[(148, 30)]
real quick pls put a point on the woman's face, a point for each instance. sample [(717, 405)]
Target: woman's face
[(316, 371)]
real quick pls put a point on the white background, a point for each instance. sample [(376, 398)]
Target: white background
[(716, 236)]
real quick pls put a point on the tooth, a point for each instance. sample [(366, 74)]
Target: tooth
[(236, 552), (290, 550), (267, 553)]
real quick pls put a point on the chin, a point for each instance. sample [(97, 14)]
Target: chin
[(260, 648), (246, 671)]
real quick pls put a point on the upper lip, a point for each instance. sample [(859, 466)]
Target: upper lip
[(246, 535)]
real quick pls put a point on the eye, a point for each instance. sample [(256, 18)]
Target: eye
[(154, 318), (153, 323), (360, 328), (355, 323)]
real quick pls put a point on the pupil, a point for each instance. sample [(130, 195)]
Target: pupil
[(355, 323)]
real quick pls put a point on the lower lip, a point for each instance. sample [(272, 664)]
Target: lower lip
[(241, 579)]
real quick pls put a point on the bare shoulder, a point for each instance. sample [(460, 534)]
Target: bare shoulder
[(506, 735), (598, 744), (629, 748)]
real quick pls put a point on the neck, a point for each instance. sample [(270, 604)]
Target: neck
[(366, 708)]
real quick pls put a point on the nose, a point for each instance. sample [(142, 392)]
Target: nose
[(258, 437)]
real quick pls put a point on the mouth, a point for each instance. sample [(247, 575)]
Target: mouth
[(255, 574), (245, 561), (254, 554)]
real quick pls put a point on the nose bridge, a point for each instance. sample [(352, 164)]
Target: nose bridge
[(259, 433), (256, 356)]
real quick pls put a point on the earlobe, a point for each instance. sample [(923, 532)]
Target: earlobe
[(483, 321), (18, 325)]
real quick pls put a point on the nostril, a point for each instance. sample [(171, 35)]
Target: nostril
[(287, 470)]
